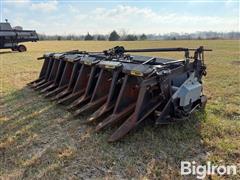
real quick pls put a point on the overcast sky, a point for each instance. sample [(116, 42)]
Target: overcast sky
[(156, 16)]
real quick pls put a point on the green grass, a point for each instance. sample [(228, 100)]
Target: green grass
[(39, 139)]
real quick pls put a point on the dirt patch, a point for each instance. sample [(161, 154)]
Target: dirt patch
[(235, 62)]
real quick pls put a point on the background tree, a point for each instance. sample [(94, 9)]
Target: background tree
[(143, 37), (131, 37), (123, 34), (88, 37), (101, 38), (167, 36), (113, 36)]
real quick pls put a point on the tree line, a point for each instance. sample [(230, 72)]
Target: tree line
[(115, 36)]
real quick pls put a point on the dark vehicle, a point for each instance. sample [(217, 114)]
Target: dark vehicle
[(11, 37)]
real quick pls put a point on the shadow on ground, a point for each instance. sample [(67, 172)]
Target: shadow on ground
[(8, 52), (40, 139)]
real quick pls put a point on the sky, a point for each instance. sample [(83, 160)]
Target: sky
[(132, 16)]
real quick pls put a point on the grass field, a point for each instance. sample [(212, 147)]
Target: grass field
[(39, 139)]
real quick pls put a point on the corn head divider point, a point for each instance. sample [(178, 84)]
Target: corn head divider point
[(124, 89)]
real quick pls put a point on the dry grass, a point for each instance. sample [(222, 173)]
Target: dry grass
[(40, 140)]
